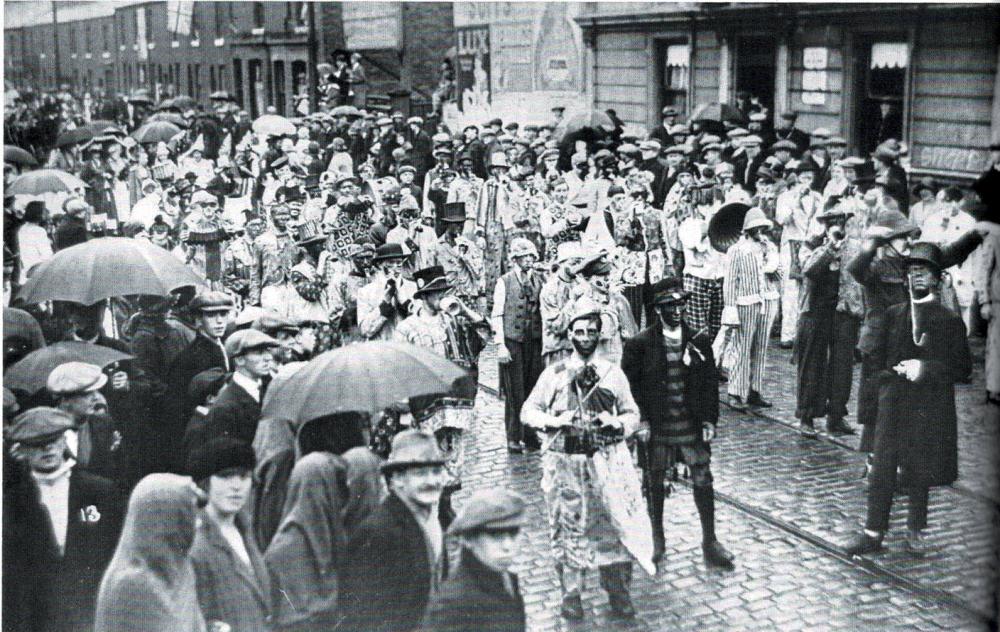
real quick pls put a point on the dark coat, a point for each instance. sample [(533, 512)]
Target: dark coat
[(918, 418), (59, 592), (387, 579), (234, 413), (644, 362), (474, 598), (202, 354), (70, 231), (228, 589)]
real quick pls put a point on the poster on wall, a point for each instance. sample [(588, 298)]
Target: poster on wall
[(472, 73), (557, 58)]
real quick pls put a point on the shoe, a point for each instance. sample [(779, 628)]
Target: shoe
[(864, 545), (915, 542), (838, 427), (572, 608), (808, 429), (736, 403), (756, 400), (716, 555), (514, 447), (621, 606)]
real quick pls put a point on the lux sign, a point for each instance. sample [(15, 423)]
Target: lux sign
[(471, 41)]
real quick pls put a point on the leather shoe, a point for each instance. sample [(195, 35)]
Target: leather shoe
[(837, 426), (864, 545), (736, 402), (756, 400), (621, 606), (808, 429), (717, 555), (572, 608)]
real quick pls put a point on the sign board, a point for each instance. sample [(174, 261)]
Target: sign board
[(814, 57), (373, 25), (473, 72), (814, 77)]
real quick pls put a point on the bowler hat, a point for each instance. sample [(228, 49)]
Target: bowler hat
[(669, 290), (925, 252), (72, 378), (430, 279), (489, 509), (413, 448), (390, 251), (39, 426), (247, 340), (219, 455)]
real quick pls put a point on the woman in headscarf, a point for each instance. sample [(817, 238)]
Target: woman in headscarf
[(328, 495), (150, 584)]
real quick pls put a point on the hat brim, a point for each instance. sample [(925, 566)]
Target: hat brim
[(213, 308), (44, 439), (391, 257), (761, 223), (437, 285), (396, 466), (311, 240), (679, 296), (909, 261)]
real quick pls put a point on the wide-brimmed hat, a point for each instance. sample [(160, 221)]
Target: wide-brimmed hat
[(755, 218), (413, 448), (925, 252), (387, 252), (669, 290), (890, 224), (430, 279)]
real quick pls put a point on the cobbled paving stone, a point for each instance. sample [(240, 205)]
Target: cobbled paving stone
[(781, 582)]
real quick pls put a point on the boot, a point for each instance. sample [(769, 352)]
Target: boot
[(757, 401), (656, 497), (837, 426), (915, 542), (571, 584), (807, 428), (736, 403), (864, 544), (716, 555), (615, 580)]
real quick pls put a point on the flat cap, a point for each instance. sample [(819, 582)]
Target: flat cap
[(72, 378), (678, 129), (384, 120), (737, 132), (628, 148), (39, 426), (415, 120), (208, 382), (836, 141), (712, 146), (489, 510), (247, 340), (200, 197), (669, 111), (271, 322), (211, 301), (650, 145), (674, 149), (531, 128), (785, 144), (406, 169), (495, 121)]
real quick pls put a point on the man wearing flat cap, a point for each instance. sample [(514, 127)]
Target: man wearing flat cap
[(786, 130), (61, 529), (668, 117), (236, 410), (395, 559), (922, 352), (482, 593), (673, 377), (97, 444), (585, 408)]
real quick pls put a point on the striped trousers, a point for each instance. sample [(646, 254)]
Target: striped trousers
[(751, 347)]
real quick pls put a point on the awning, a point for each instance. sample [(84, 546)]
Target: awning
[(678, 55), (890, 55)]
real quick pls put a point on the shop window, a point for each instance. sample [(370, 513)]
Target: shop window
[(881, 75), (674, 63), (258, 15), (211, 79)]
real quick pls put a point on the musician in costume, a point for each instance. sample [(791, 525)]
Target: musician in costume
[(275, 253), (922, 352), (385, 301), (674, 380), (204, 237), (794, 210), (342, 291), (498, 204), (447, 326), (597, 517)]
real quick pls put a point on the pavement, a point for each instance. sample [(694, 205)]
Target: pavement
[(785, 507)]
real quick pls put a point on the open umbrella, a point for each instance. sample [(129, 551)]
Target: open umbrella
[(718, 112), (345, 110), (45, 181), (104, 127), (74, 136), (726, 225), (156, 132), (106, 267), (17, 156), (273, 125), (168, 117), (592, 119), (31, 372), (140, 95), (184, 102), (363, 377)]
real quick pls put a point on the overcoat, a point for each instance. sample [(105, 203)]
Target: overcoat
[(234, 413), (644, 362), (918, 418), (475, 598)]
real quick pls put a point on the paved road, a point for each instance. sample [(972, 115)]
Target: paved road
[(786, 505)]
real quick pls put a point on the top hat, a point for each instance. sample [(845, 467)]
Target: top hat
[(308, 233), (454, 212), (386, 252), (430, 279)]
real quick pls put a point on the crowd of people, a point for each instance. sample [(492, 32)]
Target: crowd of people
[(620, 279)]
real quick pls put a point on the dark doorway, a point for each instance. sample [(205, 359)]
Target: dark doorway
[(279, 87), (756, 67), (255, 86), (881, 63), (238, 81)]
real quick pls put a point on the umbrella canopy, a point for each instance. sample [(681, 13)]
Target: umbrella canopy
[(31, 372), (273, 125), (106, 267), (156, 132), (140, 95), (220, 95), (168, 117), (181, 102), (45, 181), (74, 136), (363, 377), (726, 226), (104, 127), (718, 112), (17, 156), (345, 110), (593, 119)]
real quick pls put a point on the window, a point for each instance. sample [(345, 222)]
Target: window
[(86, 39), (674, 72), (149, 24), (72, 39), (295, 15), (195, 27), (258, 15), (211, 78), (223, 80), (887, 78), (106, 36), (197, 82)]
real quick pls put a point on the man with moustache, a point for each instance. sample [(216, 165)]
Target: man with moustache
[(673, 377)]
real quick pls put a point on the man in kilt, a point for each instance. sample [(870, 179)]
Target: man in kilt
[(675, 383)]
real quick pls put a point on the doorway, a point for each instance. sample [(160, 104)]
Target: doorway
[(279, 87), (756, 68), (880, 76), (255, 85)]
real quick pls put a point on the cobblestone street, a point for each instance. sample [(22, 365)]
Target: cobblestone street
[(786, 505)]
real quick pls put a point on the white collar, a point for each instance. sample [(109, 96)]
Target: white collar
[(930, 298), (673, 334), (51, 478), (248, 384)]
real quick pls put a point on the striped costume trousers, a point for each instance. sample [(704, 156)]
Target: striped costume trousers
[(751, 347)]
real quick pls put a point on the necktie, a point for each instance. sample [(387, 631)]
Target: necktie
[(85, 445)]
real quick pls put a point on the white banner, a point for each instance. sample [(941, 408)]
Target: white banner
[(179, 16)]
